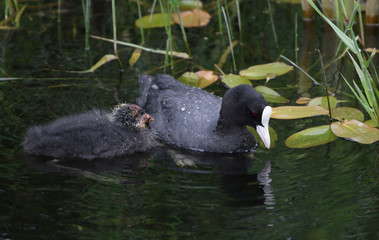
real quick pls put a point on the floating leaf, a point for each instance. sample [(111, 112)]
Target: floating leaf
[(273, 137), (206, 78), (347, 113), (194, 18), (311, 137), (232, 80), (101, 62), (370, 123), (356, 131), (303, 100), (323, 102), (135, 56), (189, 78), (190, 4), (259, 72), (271, 95), (294, 112), (157, 20)]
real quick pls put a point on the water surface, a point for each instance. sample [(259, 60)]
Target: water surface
[(326, 192)]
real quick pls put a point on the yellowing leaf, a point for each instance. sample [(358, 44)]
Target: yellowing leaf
[(189, 78), (371, 50), (157, 20), (311, 137), (206, 78), (194, 18), (347, 113), (356, 131), (232, 80), (226, 54), (303, 100), (271, 95), (259, 72), (135, 56), (101, 62), (294, 112), (323, 102)]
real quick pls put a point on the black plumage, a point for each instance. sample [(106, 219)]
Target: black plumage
[(94, 134), (192, 118)]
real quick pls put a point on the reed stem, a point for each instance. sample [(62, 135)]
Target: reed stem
[(230, 39), (272, 24), (140, 18)]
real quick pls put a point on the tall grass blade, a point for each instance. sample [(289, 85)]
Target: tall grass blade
[(114, 28), (296, 44), (228, 17), (272, 24), (219, 14), (239, 16), (348, 42), (325, 83), (230, 39), (175, 5), (361, 28), (86, 4), (18, 16), (140, 17), (306, 74), (59, 10)]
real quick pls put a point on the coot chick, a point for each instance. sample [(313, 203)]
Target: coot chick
[(192, 118), (94, 134)]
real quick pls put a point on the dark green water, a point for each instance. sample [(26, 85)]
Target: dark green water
[(326, 192)]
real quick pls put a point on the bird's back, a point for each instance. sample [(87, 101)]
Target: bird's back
[(183, 116)]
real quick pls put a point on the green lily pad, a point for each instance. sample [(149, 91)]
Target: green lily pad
[(323, 102), (311, 137), (232, 80), (189, 78), (347, 113), (295, 112), (273, 137), (271, 95), (157, 20), (356, 131), (206, 78), (262, 71)]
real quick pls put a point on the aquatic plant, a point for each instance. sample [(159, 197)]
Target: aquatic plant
[(367, 94)]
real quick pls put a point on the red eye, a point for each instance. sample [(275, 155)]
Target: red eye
[(254, 114)]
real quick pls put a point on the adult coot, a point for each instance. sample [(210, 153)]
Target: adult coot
[(191, 118), (95, 134)]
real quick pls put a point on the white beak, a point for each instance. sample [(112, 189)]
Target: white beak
[(263, 130)]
